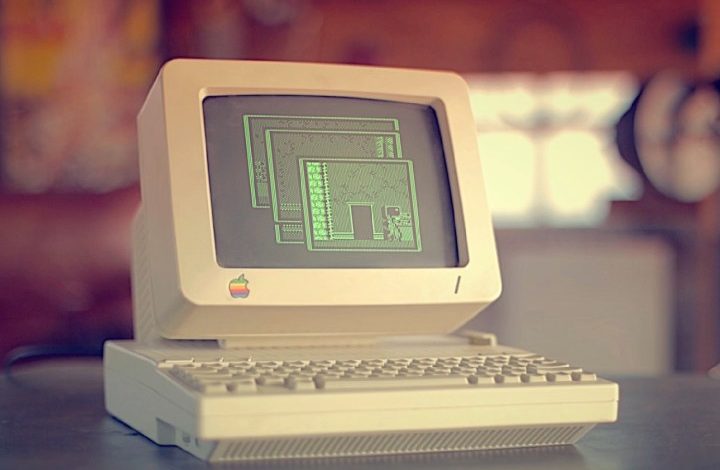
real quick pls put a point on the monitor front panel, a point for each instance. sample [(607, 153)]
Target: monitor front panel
[(327, 182), (312, 199)]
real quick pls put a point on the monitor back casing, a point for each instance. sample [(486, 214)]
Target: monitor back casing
[(181, 292)]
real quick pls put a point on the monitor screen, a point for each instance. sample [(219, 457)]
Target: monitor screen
[(327, 182)]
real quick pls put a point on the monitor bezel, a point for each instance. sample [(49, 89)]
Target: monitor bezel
[(301, 300)]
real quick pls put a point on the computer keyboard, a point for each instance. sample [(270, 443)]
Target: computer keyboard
[(396, 396), (232, 376)]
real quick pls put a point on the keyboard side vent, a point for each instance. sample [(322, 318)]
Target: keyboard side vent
[(396, 443)]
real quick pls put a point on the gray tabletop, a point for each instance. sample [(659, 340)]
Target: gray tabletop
[(52, 416)]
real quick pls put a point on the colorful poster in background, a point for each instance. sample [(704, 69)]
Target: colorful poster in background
[(73, 75)]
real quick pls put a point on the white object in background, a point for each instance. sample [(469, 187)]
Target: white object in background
[(603, 300)]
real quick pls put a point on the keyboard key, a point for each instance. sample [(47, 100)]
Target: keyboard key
[(481, 379), (333, 373), (208, 375), (300, 383), (533, 378), (214, 365), (507, 379), (296, 363), (237, 361), (170, 363), (390, 382), (246, 385), (542, 369), (239, 376), (400, 362), (323, 363), (375, 362), (270, 364), (583, 376), (270, 381), (349, 362), (558, 377)]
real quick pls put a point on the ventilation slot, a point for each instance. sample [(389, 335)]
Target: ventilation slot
[(397, 443)]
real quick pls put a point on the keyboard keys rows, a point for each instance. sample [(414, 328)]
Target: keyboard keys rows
[(244, 376)]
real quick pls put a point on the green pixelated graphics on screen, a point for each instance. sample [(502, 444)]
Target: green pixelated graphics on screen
[(285, 147), (333, 184), (360, 205), (255, 126)]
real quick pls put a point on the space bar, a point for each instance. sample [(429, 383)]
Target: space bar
[(390, 382)]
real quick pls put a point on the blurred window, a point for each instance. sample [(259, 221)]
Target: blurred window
[(548, 147)]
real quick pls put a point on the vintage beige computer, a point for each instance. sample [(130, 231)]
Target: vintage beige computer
[(309, 238)]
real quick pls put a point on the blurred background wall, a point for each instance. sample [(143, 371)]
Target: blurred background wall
[(608, 234)]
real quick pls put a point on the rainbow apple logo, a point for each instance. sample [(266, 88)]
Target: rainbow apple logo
[(238, 287)]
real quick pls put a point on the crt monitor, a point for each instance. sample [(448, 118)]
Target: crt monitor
[(311, 202)]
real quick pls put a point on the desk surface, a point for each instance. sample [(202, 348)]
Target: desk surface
[(52, 415)]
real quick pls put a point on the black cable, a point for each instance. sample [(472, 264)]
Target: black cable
[(45, 351)]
